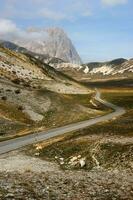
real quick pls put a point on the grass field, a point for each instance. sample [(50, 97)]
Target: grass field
[(64, 109), (67, 108), (110, 143)]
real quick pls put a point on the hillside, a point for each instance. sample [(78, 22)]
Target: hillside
[(34, 96), (115, 69), (30, 70), (14, 47)]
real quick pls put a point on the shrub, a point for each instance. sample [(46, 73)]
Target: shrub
[(4, 98), (26, 84), (8, 90), (20, 108), (18, 91), (16, 81), (14, 72), (2, 133)]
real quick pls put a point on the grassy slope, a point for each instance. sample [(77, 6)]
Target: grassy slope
[(64, 109), (96, 139), (13, 117)]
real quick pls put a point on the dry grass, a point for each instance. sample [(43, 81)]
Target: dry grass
[(105, 138)]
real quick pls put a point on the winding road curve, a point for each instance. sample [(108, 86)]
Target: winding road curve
[(17, 143)]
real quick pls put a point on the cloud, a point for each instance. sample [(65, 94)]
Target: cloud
[(49, 14), (10, 31), (113, 2), (56, 10), (7, 26)]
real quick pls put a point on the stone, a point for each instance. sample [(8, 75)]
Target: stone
[(82, 162), (9, 195), (37, 154), (73, 159)]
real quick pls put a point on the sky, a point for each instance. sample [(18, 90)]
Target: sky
[(100, 29)]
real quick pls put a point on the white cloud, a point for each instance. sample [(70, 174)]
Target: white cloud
[(55, 10), (7, 26), (9, 31), (50, 14), (114, 2)]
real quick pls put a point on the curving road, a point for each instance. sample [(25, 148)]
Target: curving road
[(17, 143)]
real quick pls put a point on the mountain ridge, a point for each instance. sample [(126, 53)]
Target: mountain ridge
[(117, 68), (53, 42)]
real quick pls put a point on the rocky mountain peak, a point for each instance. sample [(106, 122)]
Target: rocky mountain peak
[(51, 41)]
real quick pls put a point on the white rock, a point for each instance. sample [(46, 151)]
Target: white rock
[(37, 154), (73, 159), (61, 159), (38, 147), (82, 162), (86, 70), (9, 195)]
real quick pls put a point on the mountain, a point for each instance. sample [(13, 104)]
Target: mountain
[(26, 69), (114, 69), (45, 58), (118, 68), (53, 42), (31, 90)]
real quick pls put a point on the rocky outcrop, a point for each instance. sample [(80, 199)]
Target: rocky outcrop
[(52, 41)]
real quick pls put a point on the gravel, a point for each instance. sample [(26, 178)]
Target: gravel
[(24, 177)]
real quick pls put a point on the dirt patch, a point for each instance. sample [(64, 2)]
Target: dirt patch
[(21, 163), (43, 180)]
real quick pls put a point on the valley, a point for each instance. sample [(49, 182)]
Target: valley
[(36, 98), (64, 128), (98, 160), (105, 136)]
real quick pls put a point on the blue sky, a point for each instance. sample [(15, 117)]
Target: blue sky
[(100, 29)]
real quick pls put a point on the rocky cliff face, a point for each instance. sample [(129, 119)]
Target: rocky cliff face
[(52, 41)]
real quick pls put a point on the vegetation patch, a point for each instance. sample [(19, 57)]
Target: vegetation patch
[(116, 155), (106, 144), (69, 108), (13, 112)]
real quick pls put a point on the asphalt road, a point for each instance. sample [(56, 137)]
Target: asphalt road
[(17, 143)]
